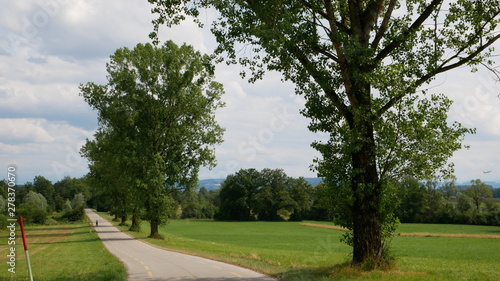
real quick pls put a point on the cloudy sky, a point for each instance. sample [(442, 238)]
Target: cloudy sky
[(48, 48)]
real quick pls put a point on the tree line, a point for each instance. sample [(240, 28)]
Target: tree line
[(429, 202), (44, 202), (251, 195)]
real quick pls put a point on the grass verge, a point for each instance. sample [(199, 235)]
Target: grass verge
[(61, 252)]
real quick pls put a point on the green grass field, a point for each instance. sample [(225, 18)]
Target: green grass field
[(61, 252), (290, 251)]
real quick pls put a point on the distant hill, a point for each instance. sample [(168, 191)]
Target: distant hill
[(492, 184), (212, 184)]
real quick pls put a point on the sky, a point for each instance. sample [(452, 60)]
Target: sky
[(49, 48)]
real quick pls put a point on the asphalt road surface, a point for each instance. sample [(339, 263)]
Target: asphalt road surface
[(145, 262)]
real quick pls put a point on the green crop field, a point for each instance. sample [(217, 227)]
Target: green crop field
[(61, 252), (291, 251)]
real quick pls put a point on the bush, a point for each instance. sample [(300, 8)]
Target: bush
[(38, 216), (31, 213), (76, 214), (3, 221)]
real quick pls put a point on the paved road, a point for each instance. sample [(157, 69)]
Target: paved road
[(145, 262)]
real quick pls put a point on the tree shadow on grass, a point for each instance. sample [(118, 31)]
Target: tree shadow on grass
[(341, 271), (66, 241), (102, 275), (299, 274), (55, 234), (83, 240), (42, 228)]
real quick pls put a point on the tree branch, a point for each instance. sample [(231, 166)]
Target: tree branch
[(433, 73), (325, 16), (325, 53), (338, 48), (369, 18), (416, 24), (319, 78), (385, 23), (470, 57)]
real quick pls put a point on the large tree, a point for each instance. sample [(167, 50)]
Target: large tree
[(111, 172), (361, 65), (268, 195), (478, 192), (156, 117), (44, 187)]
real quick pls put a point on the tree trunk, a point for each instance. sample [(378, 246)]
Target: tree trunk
[(124, 220), (135, 221), (365, 184), (154, 229), (367, 236)]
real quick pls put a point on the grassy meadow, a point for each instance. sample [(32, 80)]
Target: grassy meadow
[(291, 251), (61, 252)]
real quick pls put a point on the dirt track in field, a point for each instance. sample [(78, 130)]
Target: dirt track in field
[(416, 234)]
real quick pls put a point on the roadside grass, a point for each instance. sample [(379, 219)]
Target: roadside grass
[(61, 252), (290, 251)]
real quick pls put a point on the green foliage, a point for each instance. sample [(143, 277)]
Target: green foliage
[(201, 205), (425, 203), (75, 214), (36, 199), (450, 190), (44, 187), (68, 187), (268, 195), (491, 206), (322, 208), (478, 192), (156, 127), (3, 205), (78, 200), (3, 188), (464, 203), (3, 221), (31, 213), (412, 195)]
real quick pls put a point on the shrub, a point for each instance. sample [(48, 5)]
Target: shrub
[(76, 214), (38, 216), (32, 213), (3, 221)]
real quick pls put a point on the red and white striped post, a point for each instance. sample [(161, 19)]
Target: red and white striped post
[(25, 244)]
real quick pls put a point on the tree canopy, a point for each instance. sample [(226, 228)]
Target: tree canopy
[(267, 195), (156, 125), (478, 192), (362, 66)]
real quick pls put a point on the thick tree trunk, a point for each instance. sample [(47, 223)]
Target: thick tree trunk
[(367, 236), (367, 232), (154, 229), (124, 220), (135, 221)]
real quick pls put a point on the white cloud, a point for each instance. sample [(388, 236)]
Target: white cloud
[(41, 147), (25, 131), (47, 48)]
